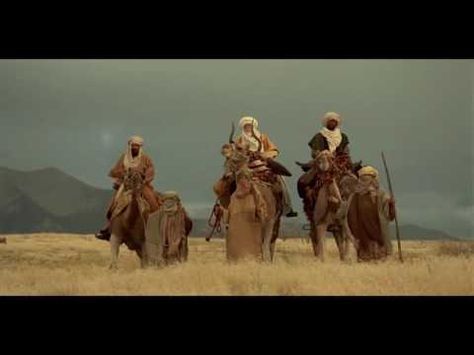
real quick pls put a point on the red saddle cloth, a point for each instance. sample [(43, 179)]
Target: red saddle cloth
[(343, 163), (260, 171)]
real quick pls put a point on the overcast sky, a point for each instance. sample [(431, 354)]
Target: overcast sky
[(76, 115)]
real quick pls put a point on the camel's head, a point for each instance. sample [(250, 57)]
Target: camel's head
[(239, 158), (171, 202), (236, 155), (234, 151), (227, 150), (347, 185), (324, 160), (133, 181)]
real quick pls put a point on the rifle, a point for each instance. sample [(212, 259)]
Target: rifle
[(396, 219)]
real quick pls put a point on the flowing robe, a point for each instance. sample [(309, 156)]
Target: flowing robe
[(368, 221)]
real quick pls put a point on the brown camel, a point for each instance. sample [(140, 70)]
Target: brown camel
[(324, 178), (128, 222), (253, 204), (322, 200)]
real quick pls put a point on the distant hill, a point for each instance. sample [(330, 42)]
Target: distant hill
[(413, 232), (49, 200)]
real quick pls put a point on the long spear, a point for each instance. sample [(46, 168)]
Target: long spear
[(396, 219)]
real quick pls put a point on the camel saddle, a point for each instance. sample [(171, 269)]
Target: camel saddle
[(277, 168), (123, 200)]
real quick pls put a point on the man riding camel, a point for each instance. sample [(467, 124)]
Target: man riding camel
[(268, 152), (331, 138), (328, 139), (134, 158)]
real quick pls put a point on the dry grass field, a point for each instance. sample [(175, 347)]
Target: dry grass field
[(45, 264)]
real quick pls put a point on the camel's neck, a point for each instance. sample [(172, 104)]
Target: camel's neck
[(133, 211), (244, 186)]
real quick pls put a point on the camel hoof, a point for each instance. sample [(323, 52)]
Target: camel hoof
[(113, 267)]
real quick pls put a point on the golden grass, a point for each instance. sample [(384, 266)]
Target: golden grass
[(45, 264)]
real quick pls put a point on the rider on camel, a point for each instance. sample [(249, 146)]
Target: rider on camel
[(250, 136), (134, 158)]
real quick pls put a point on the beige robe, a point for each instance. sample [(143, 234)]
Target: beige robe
[(269, 148)]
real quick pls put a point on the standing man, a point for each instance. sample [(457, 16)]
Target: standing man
[(370, 210), (134, 158)]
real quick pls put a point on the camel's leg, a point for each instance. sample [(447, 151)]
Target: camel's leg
[(320, 236), (348, 240), (341, 244), (114, 250), (272, 250), (184, 250), (312, 236), (275, 234), (142, 256), (267, 231)]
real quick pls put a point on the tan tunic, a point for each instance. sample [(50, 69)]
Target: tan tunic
[(147, 169), (269, 148)]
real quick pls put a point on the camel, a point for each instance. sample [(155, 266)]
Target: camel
[(128, 220), (340, 229), (324, 204), (335, 220), (253, 219), (253, 207)]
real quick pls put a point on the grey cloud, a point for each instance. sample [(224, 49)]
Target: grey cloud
[(77, 114)]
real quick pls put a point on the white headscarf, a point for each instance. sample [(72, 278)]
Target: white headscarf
[(334, 138), (331, 115), (248, 138), (129, 161)]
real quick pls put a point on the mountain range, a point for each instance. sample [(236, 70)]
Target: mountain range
[(49, 200)]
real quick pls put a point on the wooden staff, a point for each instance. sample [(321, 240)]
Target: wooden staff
[(396, 219)]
